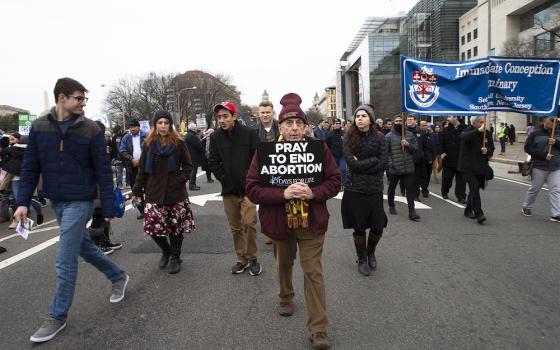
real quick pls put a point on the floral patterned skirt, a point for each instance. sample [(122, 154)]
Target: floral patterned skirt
[(169, 219)]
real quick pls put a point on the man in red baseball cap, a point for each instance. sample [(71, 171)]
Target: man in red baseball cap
[(231, 149)]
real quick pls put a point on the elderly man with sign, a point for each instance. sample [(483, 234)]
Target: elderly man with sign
[(293, 211)]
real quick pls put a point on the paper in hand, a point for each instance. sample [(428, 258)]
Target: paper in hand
[(23, 228)]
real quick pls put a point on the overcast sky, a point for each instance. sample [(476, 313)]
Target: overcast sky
[(281, 46)]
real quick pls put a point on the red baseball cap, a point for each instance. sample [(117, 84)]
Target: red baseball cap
[(227, 105)]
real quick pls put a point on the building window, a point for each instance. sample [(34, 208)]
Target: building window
[(475, 51), (469, 54), (539, 14), (544, 42), (469, 37), (475, 33), (463, 40), (462, 56)]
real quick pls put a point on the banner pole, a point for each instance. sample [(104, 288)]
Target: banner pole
[(552, 134), (484, 131), (402, 131)]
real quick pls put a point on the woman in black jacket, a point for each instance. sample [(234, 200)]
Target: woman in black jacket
[(365, 152), (13, 158)]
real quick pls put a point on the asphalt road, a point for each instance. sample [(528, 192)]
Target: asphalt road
[(442, 283)]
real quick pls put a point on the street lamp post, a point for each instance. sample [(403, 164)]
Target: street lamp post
[(179, 100), (110, 120)]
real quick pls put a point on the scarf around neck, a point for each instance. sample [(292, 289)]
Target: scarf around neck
[(297, 210), (165, 152)]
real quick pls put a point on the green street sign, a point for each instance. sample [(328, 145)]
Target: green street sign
[(24, 122)]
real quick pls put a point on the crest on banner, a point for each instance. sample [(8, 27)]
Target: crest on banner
[(424, 90)]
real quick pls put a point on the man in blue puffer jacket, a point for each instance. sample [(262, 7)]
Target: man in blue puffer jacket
[(69, 151)]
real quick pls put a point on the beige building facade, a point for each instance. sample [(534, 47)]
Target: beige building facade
[(510, 28)]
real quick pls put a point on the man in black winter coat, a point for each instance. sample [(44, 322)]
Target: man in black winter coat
[(232, 147), (334, 141), (473, 163), (194, 145), (450, 144), (421, 158)]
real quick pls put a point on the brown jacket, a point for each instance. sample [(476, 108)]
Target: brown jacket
[(162, 187)]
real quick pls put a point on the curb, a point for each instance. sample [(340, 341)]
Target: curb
[(506, 161)]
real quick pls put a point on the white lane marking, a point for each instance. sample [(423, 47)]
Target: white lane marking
[(448, 200), (32, 232), (202, 199), (516, 182), (14, 259), (27, 253), (200, 173)]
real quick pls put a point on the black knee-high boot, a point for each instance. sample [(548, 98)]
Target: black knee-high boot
[(176, 243), (361, 251), (373, 239), (165, 250)]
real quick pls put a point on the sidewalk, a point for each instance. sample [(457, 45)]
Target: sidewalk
[(514, 153)]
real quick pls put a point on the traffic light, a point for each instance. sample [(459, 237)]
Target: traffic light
[(170, 97), (197, 105)]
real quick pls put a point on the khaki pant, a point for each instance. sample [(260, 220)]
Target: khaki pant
[(242, 217), (310, 253), (7, 182)]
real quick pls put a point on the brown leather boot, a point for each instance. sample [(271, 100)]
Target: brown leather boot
[(286, 308), (320, 341)]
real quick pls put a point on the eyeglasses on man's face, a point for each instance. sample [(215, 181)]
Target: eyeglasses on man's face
[(80, 99)]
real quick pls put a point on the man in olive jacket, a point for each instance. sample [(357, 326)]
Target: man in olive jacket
[(232, 147)]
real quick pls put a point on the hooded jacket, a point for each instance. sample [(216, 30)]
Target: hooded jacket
[(537, 146), (72, 164), (231, 152), (400, 163)]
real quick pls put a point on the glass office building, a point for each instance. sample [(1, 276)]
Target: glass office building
[(370, 68), (432, 28)]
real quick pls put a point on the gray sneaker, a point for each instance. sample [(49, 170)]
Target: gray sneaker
[(118, 290), (49, 329)]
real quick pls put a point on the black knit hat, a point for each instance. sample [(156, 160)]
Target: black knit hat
[(163, 114)]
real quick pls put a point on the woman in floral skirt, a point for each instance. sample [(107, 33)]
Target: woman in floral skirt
[(165, 167)]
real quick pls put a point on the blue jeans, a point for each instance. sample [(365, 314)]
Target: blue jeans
[(36, 205), (75, 241), (503, 142), (341, 164), (120, 168)]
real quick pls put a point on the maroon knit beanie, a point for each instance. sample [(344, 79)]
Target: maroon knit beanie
[(291, 109)]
